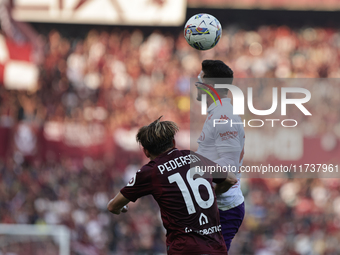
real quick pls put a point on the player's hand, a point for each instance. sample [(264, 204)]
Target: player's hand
[(224, 186), (124, 209), (231, 178)]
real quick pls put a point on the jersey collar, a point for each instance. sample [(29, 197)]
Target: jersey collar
[(166, 153), (224, 100)]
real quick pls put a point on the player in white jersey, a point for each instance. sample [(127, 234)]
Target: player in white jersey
[(223, 143)]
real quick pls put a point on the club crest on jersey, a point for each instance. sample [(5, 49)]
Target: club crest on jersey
[(132, 181)]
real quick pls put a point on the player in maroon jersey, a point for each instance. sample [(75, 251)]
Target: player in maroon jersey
[(186, 200)]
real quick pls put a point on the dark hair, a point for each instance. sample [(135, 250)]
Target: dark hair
[(158, 136), (217, 69)]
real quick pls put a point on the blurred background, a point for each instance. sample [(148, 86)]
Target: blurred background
[(79, 77)]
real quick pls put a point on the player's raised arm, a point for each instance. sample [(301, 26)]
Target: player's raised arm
[(118, 204)]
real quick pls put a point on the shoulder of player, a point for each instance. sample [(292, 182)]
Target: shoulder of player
[(151, 167), (147, 168)]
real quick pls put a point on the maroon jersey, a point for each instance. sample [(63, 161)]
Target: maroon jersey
[(187, 202)]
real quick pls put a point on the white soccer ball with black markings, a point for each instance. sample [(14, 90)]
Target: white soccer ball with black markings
[(202, 31)]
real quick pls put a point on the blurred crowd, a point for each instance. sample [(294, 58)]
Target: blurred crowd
[(295, 217), (125, 79)]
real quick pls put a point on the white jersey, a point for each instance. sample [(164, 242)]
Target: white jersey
[(224, 138)]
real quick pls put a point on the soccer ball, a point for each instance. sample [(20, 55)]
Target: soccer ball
[(202, 31)]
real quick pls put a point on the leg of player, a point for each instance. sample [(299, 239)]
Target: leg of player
[(231, 221)]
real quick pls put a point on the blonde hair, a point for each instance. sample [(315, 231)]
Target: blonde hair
[(158, 136)]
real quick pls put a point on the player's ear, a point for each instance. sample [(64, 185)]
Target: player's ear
[(147, 153)]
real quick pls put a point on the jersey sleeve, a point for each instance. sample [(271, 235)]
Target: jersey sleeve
[(226, 138), (140, 185)]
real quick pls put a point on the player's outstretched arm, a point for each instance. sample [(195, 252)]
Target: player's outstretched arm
[(118, 204), (224, 186)]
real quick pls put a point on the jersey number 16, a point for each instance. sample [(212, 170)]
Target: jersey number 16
[(194, 185)]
